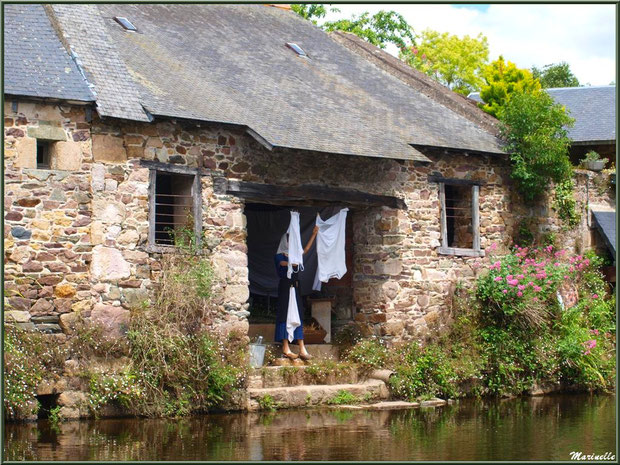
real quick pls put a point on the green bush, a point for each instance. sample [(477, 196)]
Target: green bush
[(425, 372), (29, 358), (368, 354)]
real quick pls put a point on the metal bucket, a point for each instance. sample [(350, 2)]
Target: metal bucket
[(257, 355)]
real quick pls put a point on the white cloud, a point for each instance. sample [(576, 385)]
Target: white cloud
[(529, 35)]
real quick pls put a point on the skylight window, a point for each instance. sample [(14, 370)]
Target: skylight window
[(297, 49), (125, 23)]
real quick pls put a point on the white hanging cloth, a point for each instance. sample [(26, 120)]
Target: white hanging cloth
[(330, 242), (292, 314), (295, 250)]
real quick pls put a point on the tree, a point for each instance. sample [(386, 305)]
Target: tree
[(534, 127), (555, 75), (380, 29), (454, 62), (503, 80), (311, 11)]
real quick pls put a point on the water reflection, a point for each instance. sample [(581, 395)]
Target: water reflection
[(546, 428)]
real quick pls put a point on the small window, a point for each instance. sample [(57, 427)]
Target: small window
[(175, 218), (127, 25), (460, 232), (43, 154), (297, 49)]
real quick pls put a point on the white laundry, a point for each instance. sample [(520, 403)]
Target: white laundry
[(295, 250), (330, 242), (292, 314)]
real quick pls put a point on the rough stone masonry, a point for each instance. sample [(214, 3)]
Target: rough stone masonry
[(76, 235)]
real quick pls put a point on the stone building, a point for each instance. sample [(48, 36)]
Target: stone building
[(124, 120)]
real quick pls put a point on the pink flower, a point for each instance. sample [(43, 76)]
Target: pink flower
[(537, 288), (530, 283), (505, 291), (594, 331), (513, 282), (556, 264), (498, 278), (535, 299), (492, 247), (520, 276), (521, 287), (519, 293), (595, 296), (509, 277), (591, 344)]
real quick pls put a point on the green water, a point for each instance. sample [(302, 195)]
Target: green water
[(545, 428)]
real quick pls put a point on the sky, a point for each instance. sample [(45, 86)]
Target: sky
[(527, 34)]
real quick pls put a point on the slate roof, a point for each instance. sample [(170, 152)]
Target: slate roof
[(593, 107), (36, 63), (594, 110), (605, 222), (229, 64)]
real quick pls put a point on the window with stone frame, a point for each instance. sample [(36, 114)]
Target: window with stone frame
[(460, 221), (174, 208), (44, 154)]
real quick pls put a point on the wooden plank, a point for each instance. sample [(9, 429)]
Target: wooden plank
[(475, 216), (460, 252), (172, 168), (443, 219), (455, 181), (197, 193), (151, 193), (268, 193)]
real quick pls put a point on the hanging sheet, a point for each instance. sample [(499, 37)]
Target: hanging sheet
[(330, 243)]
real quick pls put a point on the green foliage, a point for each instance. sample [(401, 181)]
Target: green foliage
[(343, 397), (328, 371), (29, 358), (311, 11), (54, 416), (502, 81), (509, 335), (592, 155), (534, 127), (368, 354), (453, 61), (425, 372), (122, 388), (181, 373), (380, 29), (564, 203), (555, 75), (267, 402)]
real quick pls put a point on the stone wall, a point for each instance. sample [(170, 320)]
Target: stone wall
[(76, 236)]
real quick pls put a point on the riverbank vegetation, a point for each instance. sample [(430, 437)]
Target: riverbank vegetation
[(535, 319)]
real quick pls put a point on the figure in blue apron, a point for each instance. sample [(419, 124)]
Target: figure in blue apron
[(284, 286)]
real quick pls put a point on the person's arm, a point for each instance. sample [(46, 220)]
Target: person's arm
[(311, 241)]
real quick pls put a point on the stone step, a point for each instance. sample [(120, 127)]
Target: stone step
[(313, 395), (312, 374)]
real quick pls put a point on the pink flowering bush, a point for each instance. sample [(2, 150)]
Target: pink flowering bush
[(527, 331), (522, 287)]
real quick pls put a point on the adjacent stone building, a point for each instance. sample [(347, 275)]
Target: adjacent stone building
[(122, 121)]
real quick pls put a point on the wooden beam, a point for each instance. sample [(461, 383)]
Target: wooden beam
[(475, 216), (443, 219), (304, 195), (173, 168), (455, 181)]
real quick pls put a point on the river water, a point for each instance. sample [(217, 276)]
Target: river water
[(543, 428)]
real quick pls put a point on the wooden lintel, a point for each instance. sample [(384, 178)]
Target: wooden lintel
[(305, 195), (173, 168), (456, 181)]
